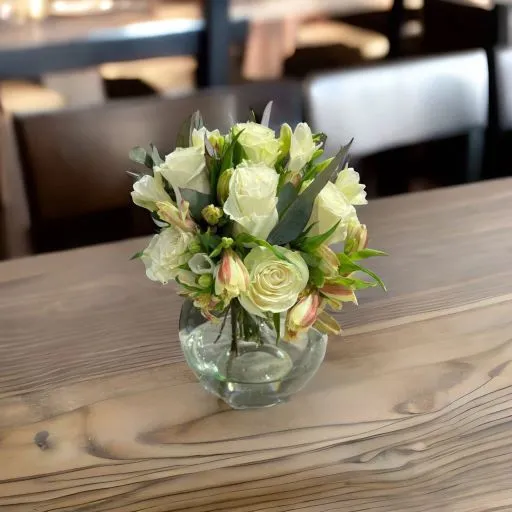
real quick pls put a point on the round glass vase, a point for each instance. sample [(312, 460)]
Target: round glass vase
[(253, 373)]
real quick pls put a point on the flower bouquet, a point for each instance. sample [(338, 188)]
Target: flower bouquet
[(247, 223)]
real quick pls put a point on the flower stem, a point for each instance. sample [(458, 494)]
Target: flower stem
[(234, 326)]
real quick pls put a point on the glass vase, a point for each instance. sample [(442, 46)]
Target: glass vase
[(256, 372)]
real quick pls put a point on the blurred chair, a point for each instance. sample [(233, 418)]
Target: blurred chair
[(502, 112), (74, 161), (454, 25), (399, 104)]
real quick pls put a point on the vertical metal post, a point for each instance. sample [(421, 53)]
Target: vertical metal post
[(396, 19), (213, 58)]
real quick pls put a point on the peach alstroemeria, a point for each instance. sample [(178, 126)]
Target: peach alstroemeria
[(357, 237), (232, 277), (302, 316), (178, 217), (336, 294), (329, 262), (327, 324)]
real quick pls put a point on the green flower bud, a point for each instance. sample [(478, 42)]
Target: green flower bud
[(205, 280), (194, 246), (212, 214), (227, 242), (223, 186)]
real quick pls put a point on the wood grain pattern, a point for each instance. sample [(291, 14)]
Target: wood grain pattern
[(411, 411)]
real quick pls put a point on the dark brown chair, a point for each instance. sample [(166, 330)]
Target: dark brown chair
[(502, 112), (404, 103), (74, 161)]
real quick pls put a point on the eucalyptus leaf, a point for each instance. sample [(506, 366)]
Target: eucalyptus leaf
[(135, 175), (366, 253), (287, 195), (265, 118), (197, 201), (276, 319), (185, 134), (295, 218), (155, 155), (139, 155), (208, 147)]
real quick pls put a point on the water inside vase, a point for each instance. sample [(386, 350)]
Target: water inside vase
[(260, 374)]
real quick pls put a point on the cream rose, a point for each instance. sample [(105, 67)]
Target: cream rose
[(275, 284), (329, 207), (252, 201), (166, 253), (148, 190), (348, 183), (186, 167), (259, 143), (302, 147)]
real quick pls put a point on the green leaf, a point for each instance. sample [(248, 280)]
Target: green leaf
[(208, 241), (140, 156), (197, 201), (185, 134), (320, 138), (348, 266), (287, 195), (276, 318), (317, 277), (353, 283), (137, 255), (265, 118), (217, 250), (252, 116), (310, 244), (366, 253), (310, 259), (155, 155), (246, 238), (227, 157), (295, 218)]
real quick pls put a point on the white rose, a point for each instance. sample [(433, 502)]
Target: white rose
[(348, 183), (329, 207), (148, 190), (259, 143), (166, 253), (302, 147), (252, 201), (275, 284), (186, 167)]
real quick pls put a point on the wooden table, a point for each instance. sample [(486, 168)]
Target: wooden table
[(411, 410)]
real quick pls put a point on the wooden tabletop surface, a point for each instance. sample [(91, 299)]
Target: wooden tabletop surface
[(411, 410)]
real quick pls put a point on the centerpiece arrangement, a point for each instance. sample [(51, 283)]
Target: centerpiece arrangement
[(262, 238)]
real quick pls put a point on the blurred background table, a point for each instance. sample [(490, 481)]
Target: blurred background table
[(410, 411)]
